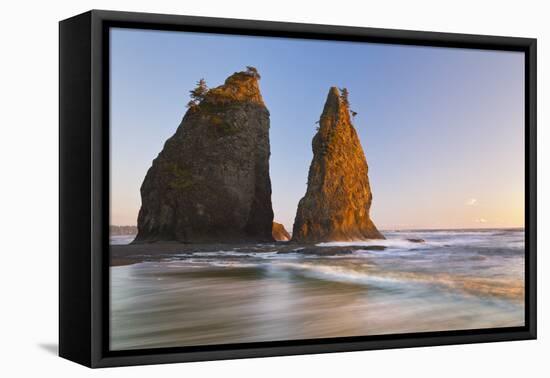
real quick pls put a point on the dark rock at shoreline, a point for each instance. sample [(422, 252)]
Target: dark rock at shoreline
[(416, 240), (374, 248), (337, 202), (279, 232), (210, 182), (316, 250)]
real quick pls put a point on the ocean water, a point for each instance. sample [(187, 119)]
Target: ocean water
[(121, 239), (454, 280)]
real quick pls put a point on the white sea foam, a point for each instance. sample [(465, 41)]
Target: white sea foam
[(399, 240), (388, 243), (219, 253), (397, 280), (232, 264), (223, 253), (121, 239), (344, 275)]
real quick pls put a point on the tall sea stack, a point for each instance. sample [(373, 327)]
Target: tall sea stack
[(338, 198), (210, 182)]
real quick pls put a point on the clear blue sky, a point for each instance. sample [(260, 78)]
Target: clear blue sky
[(442, 128)]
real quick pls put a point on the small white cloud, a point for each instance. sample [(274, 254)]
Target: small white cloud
[(481, 220), (471, 202)]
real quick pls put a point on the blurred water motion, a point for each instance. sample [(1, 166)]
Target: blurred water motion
[(455, 280)]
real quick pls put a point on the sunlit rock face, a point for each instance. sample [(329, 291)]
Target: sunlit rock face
[(279, 232), (338, 198), (210, 182)]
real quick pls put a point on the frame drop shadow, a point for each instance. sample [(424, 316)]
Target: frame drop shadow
[(52, 348)]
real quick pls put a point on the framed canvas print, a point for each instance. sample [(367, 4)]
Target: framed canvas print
[(233, 188)]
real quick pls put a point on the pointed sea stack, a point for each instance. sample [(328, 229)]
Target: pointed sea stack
[(210, 183), (338, 198)]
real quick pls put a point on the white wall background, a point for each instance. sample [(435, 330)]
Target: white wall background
[(29, 186)]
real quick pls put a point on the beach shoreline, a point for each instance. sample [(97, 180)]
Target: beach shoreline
[(170, 294), (128, 254)]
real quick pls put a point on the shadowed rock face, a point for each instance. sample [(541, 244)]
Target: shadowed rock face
[(279, 232), (210, 182), (338, 198)]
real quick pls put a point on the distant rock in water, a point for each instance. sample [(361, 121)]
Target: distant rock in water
[(416, 240), (338, 198), (210, 183), (279, 232)]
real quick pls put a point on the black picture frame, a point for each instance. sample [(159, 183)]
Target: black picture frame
[(84, 187)]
